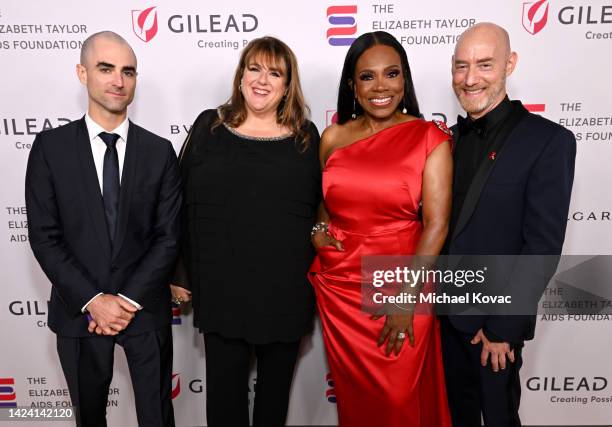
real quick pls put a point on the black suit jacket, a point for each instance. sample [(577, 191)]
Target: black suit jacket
[(68, 232), (517, 205)]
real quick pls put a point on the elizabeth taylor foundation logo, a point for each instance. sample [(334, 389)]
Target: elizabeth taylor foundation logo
[(176, 314), (330, 393), (343, 26), (144, 23), (535, 108), (535, 16), (7, 393)]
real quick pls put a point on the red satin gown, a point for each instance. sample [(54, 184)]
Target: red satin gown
[(372, 190)]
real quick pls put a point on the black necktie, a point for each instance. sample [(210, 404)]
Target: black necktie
[(467, 125), (110, 182)]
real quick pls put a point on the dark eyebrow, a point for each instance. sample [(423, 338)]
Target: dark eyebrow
[(105, 64), (480, 61), (390, 67), (112, 66)]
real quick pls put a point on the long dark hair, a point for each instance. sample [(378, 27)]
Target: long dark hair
[(346, 93), (292, 112)]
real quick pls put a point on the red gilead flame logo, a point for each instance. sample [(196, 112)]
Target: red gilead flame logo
[(176, 386), (144, 23), (535, 16)]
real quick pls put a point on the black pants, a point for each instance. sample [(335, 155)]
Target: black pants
[(473, 389), (88, 368), (227, 373)]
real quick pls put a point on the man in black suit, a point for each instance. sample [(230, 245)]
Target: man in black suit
[(512, 183), (103, 199)]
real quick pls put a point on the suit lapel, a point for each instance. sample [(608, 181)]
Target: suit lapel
[(127, 186), (91, 186), (485, 169)]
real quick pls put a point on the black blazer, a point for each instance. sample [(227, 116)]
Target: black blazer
[(68, 232), (517, 205)]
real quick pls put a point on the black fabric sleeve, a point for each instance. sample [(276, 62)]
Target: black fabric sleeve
[(197, 136), (46, 234), (545, 219), (154, 268)]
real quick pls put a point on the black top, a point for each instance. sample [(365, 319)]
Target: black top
[(250, 206), (473, 148)]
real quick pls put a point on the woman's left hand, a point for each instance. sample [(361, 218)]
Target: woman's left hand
[(397, 328)]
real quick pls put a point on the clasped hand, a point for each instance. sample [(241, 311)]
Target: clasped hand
[(180, 294), (110, 314)]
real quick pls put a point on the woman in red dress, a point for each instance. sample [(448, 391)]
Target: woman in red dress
[(381, 163)]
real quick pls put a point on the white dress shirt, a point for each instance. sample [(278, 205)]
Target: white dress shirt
[(98, 148)]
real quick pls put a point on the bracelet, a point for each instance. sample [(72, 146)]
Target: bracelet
[(319, 227)]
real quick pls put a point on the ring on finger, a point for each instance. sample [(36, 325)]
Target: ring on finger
[(401, 335)]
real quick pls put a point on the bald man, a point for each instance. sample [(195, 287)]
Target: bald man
[(103, 200), (512, 183)]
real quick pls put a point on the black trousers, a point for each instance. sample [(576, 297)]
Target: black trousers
[(88, 367), (473, 389), (227, 373)]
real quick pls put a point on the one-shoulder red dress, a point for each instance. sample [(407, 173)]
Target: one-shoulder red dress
[(372, 191)]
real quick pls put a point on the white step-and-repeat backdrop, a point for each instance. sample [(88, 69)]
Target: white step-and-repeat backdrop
[(187, 51)]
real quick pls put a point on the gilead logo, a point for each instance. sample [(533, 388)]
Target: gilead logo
[(535, 16), (567, 383), (144, 23), (176, 385), (331, 117)]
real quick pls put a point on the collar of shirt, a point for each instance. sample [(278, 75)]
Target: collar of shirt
[(98, 147), (94, 128), (496, 115), (483, 125)]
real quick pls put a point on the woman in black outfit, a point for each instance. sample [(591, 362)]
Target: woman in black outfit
[(252, 186)]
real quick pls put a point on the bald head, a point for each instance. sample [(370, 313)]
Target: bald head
[(90, 42), (486, 32), (108, 70)]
